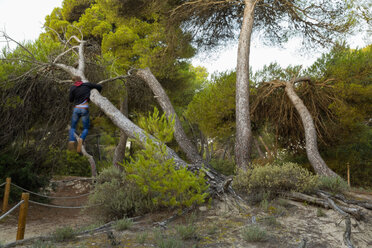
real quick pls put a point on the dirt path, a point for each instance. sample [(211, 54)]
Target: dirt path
[(218, 225), (42, 220)]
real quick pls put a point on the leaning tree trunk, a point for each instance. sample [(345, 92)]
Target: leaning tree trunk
[(119, 153), (243, 122), (216, 181), (183, 141), (312, 152)]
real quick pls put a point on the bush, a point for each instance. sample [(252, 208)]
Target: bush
[(64, 234), (123, 224), (186, 231), (23, 172), (272, 178), (67, 163), (115, 197), (254, 234), (161, 181), (333, 184), (159, 178)]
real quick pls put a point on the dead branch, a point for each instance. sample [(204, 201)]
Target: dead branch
[(296, 196), (89, 157)]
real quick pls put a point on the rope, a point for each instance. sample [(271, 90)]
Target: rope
[(52, 197), (11, 210), (2, 184), (55, 206)]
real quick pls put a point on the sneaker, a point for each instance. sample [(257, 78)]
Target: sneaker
[(71, 146), (80, 144)]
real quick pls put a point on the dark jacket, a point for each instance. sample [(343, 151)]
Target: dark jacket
[(80, 91)]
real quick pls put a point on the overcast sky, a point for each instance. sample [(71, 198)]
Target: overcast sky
[(23, 20)]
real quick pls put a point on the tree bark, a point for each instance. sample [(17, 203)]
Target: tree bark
[(122, 122), (163, 99), (312, 152), (119, 153), (243, 139)]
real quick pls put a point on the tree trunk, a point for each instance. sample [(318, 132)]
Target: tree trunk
[(163, 99), (243, 123), (122, 122), (119, 153), (312, 152)]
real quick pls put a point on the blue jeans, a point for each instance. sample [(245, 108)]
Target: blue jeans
[(76, 115)]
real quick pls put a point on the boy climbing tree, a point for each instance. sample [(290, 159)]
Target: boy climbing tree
[(79, 95)]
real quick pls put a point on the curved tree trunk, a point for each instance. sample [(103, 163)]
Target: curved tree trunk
[(119, 153), (163, 99), (312, 152), (243, 122)]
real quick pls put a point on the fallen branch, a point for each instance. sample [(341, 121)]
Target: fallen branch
[(347, 233), (302, 197), (364, 204), (355, 212)]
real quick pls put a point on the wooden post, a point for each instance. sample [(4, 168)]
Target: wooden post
[(348, 174), (22, 217), (6, 195)]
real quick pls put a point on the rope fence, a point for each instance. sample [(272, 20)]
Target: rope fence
[(51, 197), (56, 206), (11, 210), (25, 202)]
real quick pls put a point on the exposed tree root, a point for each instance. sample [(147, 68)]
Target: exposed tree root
[(343, 207)]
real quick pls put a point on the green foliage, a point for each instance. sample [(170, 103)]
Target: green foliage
[(158, 176), (254, 234), (213, 108), (23, 171), (274, 178), (167, 242), (186, 232), (225, 167), (142, 237), (116, 197), (161, 180), (64, 234), (123, 224), (160, 127), (333, 184), (67, 163)]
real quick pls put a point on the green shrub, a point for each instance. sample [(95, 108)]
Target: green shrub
[(161, 180), (186, 231), (67, 163), (158, 177), (254, 234), (272, 178), (333, 184), (23, 172), (225, 167), (115, 197), (142, 237), (167, 242), (64, 234), (123, 224)]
